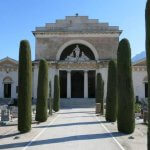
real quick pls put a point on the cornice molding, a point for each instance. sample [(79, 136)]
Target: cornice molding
[(73, 34)]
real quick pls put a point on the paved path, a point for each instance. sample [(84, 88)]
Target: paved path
[(74, 129)]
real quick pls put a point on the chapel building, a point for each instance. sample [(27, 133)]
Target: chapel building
[(76, 48)]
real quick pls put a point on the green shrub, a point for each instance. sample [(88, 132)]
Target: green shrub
[(137, 108), (100, 92), (56, 103), (42, 92), (111, 98), (25, 87), (126, 101), (147, 23)]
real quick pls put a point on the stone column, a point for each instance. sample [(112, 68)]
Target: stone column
[(69, 84), (85, 84)]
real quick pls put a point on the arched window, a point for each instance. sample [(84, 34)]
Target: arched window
[(79, 51), (7, 80)]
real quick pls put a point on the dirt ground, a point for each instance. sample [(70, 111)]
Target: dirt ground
[(135, 141)]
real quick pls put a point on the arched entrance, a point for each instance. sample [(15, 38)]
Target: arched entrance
[(77, 78), (83, 42)]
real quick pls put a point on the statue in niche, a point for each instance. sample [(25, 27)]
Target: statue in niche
[(79, 56), (83, 56), (77, 52), (71, 57)]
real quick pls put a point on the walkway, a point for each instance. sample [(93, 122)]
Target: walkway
[(74, 129)]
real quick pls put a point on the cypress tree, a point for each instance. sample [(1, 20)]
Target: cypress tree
[(56, 94), (42, 92), (126, 116), (147, 23), (111, 98), (25, 87), (50, 105), (100, 92)]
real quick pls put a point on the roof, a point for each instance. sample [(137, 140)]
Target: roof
[(141, 62), (8, 59), (80, 24)]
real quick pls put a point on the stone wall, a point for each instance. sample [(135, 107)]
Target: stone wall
[(48, 47)]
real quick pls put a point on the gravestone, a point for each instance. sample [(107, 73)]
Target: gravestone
[(33, 109), (14, 111), (5, 115), (98, 108), (145, 116)]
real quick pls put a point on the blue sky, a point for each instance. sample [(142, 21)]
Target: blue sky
[(19, 17)]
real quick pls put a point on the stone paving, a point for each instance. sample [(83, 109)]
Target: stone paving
[(74, 129)]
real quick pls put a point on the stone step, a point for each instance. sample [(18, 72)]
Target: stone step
[(77, 103)]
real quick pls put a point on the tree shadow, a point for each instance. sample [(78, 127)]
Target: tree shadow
[(63, 140), (10, 135), (15, 124), (69, 124), (78, 112), (79, 117), (9, 125)]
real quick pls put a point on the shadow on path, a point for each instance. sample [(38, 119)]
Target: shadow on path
[(69, 124), (9, 135), (63, 139), (79, 117), (78, 112)]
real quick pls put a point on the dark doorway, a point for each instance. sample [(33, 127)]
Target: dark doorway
[(146, 90), (77, 84), (7, 90), (63, 84), (91, 84)]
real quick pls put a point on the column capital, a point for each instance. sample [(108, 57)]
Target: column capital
[(68, 71), (86, 71)]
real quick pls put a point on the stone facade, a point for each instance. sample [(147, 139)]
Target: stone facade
[(54, 39), (8, 71), (48, 47), (139, 73), (53, 36)]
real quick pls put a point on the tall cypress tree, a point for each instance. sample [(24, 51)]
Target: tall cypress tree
[(147, 23), (56, 102), (25, 87), (100, 92), (126, 116), (42, 92), (111, 98)]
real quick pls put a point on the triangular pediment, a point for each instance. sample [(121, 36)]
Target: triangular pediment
[(141, 62), (8, 62)]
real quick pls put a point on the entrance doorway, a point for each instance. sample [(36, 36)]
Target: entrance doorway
[(76, 78), (77, 84), (146, 90), (63, 84), (91, 84), (7, 90)]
